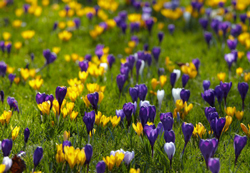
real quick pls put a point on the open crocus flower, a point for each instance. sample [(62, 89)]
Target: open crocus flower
[(138, 128), (229, 58), (199, 129)]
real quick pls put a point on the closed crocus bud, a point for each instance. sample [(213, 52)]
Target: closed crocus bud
[(88, 152), (206, 147), (203, 22), (169, 148), (160, 96), (26, 134), (214, 165), (217, 125), (225, 87), (239, 144), (11, 78), (128, 109), (84, 65), (40, 97), (100, 167), (120, 80), (186, 16), (173, 77), (185, 94), (77, 22), (152, 113), (161, 71), (229, 58), (89, 120), (206, 85), (120, 113), (49, 56), (208, 37), (32, 56), (152, 134), (128, 157), (8, 163), (145, 47), (144, 115), (185, 79), (3, 68), (37, 156), (196, 63), (160, 36), (243, 89), (156, 51), (2, 96), (2, 46), (169, 136), (167, 120), (133, 91), (232, 44), (149, 24), (93, 99), (111, 60), (6, 146), (142, 91), (60, 95), (8, 48), (218, 93), (176, 94), (171, 28), (88, 57), (178, 73), (243, 18), (208, 96), (187, 130)]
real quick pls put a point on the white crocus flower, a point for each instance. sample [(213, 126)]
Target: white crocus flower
[(187, 16), (142, 67), (128, 157), (160, 96), (104, 65), (169, 148), (178, 73), (7, 162), (176, 93)]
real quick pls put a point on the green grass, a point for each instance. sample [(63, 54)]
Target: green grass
[(183, 46)]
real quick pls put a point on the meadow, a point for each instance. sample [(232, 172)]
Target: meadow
[(91, 54)]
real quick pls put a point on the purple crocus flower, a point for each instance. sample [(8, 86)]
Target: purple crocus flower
[(89, 153), (144, 115), (60, 95), (6, 147), (149, 24), (101, 167), (88, 57), (40, 97), (217, 125), (120, 80), (2, 46), (148, 58), (142, 91), (152, 112), (161, 71), (89, 120), (11, 78), (133, 91), (218, 93), (26, 134), (156, 51), (77, 22), (214, 165), (239, 144), (84, 65), (185, 94), (208, 37), (206, 147), (37, 156), (224, 26), (111, 60), (167, 120), (124, 70), (169, 136), (99, 52), (93, 99), (13, 103), (66, 143), (215, 25), (243, 18), (208, 96), (123, 26), (55, 26), (185, 79), (145, 47), (152, 134), (203, 22), (160, 36), (171, 28), (50, 98), (120, 113), (209, 110), (128, 109), (187, 130), (225, 87), (32, 56), (2, 96), (26, 8), (3, 68), (206, 85), (131, 62), (49, 56), (197, 63), (173, 77), (232, 44), (243, 89)]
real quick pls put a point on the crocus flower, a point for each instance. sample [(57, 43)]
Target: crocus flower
[(203, 22), (173, 77), (93, 99), (156, 51), (149, 24), (37, 156), (225, 87), (243, 18), (128, 157), (152, 134), (239, 144), (144, 115), (176, 94), (120, 80), (100, 167), (89, 120), (2, 46), (185, 94), (120, 113), (2, 96), (11, 78), (88, 152), (50, 98), (8, 163), (6, 146), (49, 56), (139, 68), (13, 103), (26, 134), (142, 91), (3, 68), (217, 125), (218, 93), (161, 71), (243, 89), (55, 26), (206, 85), (8, 47), (84, 65), (77, 22), (208, 37), (169, 148), (160, 36), (167, 120), (133, 91), (207, 148), (111, 60), (196, 63), (229, 59), (66, 143), (187, 130), (128, 109), (214, 165), (232, 44), (208, 96), (160, 96), (171, 28), (185, 79), (169, 136), (60, 95)]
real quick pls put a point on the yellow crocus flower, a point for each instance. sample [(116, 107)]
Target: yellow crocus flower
[(109, 161), (36, 83), (66, 135), (70, 156), (17, 80), (239, 71), (104, 120), (81, 157), (119, 156), (163, 80), (133, 170), (16, 23), (44, 107), (28, 34), (154, 83), (245, 129), (83, 76), (60, 157), (138, 128), (61, 25), (5, 117), (115, 121), (101, 96), (199, 129), (15, 133), (64, 112), (70, 106), (230, 111), (239, 115), (25, 73), (229, 120), (2, 168), (98, 118), (221, 76), (56, 50), (179, 104), (6, 36), (86, 101), (10, 69), (73, 115), (65, 35), (18, 45)]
